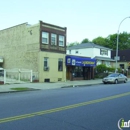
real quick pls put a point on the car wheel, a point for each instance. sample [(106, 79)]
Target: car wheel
[(104, 82), (125, 80), (116, 81)]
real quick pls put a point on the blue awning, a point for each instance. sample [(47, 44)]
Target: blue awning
[(80, 61)]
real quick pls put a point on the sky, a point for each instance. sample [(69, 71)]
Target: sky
[(83, 18)]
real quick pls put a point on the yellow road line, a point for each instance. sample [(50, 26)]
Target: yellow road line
[(8, 119)]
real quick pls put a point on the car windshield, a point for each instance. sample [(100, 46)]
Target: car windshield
[(113, 75)]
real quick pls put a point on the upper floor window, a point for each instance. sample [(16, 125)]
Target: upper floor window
[(103, 52), (69, 51), (53, 39), (76, 52), (61, 40), (45, 37)]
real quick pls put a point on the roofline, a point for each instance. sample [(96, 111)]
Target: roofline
[(79, 56), (88, 47), (52, 25), (14, 26)]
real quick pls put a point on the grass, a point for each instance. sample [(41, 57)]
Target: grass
[(20, 89)]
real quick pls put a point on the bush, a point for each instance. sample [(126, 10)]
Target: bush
[(101, 68), (110, 69)]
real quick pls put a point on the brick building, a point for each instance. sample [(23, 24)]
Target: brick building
[(40, 47)]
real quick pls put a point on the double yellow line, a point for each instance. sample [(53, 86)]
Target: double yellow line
[(4, 120)]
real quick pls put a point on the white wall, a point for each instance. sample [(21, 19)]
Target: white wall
[(97, 53), (88, 52)]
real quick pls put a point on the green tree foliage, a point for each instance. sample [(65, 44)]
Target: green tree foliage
[(73, 44), (101, 68), (86, 40), (100, 41), (111, 41)]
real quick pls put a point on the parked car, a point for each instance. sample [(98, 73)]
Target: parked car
[(115, 78)]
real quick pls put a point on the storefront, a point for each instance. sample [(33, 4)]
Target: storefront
[(79, 68)]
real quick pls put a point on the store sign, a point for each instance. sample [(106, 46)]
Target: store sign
[(80, 61), (88, 62)]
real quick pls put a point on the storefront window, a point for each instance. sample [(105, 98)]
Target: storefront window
[(78, 71)]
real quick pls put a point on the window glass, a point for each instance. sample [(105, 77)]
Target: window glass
[(53, 39), (78, 71), (45, 66), (61, 40), (45, 37), (103, 52), (76, 52), (60, 64)]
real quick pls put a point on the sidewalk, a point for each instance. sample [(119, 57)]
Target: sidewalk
[(43, 86)]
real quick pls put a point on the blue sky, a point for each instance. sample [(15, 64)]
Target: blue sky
[(83, 18)]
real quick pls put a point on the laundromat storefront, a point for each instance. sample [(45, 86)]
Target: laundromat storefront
[(79, 68)]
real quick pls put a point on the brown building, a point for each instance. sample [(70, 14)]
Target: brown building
[(40, 47), (124, 59)]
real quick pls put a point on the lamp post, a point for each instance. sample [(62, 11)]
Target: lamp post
[(116, 58)]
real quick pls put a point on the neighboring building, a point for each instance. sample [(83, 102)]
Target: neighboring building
[(124, 59), (100, 53), (40, 47)]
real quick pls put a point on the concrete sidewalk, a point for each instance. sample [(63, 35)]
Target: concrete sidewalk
[(42, 86)]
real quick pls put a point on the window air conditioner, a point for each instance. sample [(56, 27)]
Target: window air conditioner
[(46, 68)]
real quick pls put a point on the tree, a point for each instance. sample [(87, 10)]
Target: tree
[(123, 43), (73, 44), (100, 41), (111, 41), (86, 40)]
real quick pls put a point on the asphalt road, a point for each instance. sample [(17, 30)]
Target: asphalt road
[(96, 107)]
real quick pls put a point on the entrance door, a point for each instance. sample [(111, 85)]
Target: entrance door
[(68, 72)]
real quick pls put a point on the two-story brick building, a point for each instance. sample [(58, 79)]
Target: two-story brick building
[(40, 47)]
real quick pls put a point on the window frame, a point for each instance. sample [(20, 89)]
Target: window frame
[(60, 64), (45, 64), (47, 38), (103, 52), (55, 43), (69, 51), (63, 40), (76, 51)]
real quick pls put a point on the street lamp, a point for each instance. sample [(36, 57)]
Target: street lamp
[(116, 58)]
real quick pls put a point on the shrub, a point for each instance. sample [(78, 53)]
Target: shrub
[(101, 68)]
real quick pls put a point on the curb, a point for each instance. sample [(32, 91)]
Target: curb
[(84, 85), (15, 91)]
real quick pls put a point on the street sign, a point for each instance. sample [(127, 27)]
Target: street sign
[(117, 58)]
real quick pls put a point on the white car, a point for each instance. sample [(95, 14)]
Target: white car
[(115, 78)]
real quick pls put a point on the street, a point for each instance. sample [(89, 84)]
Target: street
[(97, 107)]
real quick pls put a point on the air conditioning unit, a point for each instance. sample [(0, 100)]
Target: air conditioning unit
[(46, 68)]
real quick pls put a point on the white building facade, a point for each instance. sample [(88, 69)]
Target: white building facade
[(100, 53)]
